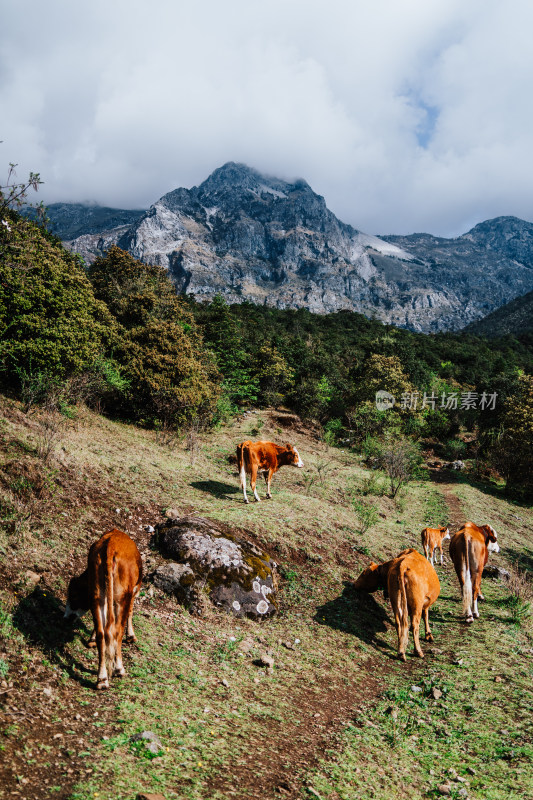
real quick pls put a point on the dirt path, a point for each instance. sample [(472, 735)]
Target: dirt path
[(286, 749), (444, 480)]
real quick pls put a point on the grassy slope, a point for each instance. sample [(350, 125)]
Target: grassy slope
[(228, 727)]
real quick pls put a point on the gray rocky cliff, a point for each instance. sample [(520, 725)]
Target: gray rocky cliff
[(254, 238)]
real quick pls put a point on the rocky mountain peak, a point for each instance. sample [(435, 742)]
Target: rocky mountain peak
[(509, 235), (252, 237)]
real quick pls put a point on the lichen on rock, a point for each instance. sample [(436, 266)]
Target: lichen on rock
[(236, 576)]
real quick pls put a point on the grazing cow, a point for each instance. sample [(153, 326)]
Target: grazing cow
[(432, 539), (412, 586), (469, 551), (265, 457), (108, 588)]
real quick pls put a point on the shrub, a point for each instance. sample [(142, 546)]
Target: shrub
[(367, 515), (171, 378), (51, 324), (454, 449), (400, 459)]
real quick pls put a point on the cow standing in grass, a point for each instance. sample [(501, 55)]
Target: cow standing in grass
[(265, 457), (432, 539), (469, 551), (108, 587), (412, 586)]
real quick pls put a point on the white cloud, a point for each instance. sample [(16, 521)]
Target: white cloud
[(405, 114)]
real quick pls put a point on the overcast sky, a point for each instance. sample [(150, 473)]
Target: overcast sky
[(407, 115)]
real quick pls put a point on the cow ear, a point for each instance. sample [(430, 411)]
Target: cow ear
[(288, 446)]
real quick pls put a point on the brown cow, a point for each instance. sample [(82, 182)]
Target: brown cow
[(412, 586), (265, 457), (469, 551), (108, 588), (432, 539)]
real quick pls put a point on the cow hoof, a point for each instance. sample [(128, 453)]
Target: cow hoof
[(269, 497), (480, 596), (469, 619), (476, 614), (402, 657), (91, 643), (131, 639), (103, 684), (429, 637), (419, 654), (119, 673)]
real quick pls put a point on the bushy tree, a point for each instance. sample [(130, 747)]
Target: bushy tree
[(50, 321), (224, 335), (382, 373), (512, 450), (274, 375), (172, 377), (399, 457)]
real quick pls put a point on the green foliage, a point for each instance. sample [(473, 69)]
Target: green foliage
[(223, 334), (367, 515), (399, 458), (454, 449), (51, 324), (170, 377), (274, 374), (382, 372), (512, 449)]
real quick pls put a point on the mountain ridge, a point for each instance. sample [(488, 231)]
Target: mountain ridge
[(253, 237)]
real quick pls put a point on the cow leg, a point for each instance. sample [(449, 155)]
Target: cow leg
[(130, 633), (440, 548), (243, 483), (415, 628), (253, 481), (467, 597), (99, 626), (268, 480), (433, 556), (402, 628), (426, 551), (475, 594), (92, 639), (124, 610), (429, 635)]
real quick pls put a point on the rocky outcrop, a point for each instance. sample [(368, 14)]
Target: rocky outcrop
[(209, 562), (250, 237)]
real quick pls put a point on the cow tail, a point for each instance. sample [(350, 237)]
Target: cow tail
[(403, 595), (240, 463), (467, 581), (110, 621)]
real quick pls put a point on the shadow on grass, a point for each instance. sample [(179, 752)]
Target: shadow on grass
[(356, 613), (39, 617), (216, 488), (520, 559), (489, 487)]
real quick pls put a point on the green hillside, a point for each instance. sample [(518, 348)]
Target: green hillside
[(337, 716), (512, 319)]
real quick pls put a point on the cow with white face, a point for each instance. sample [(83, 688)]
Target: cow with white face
[(469, 551), (265, 457)]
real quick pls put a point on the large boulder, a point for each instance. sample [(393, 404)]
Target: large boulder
[(210, 561)]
